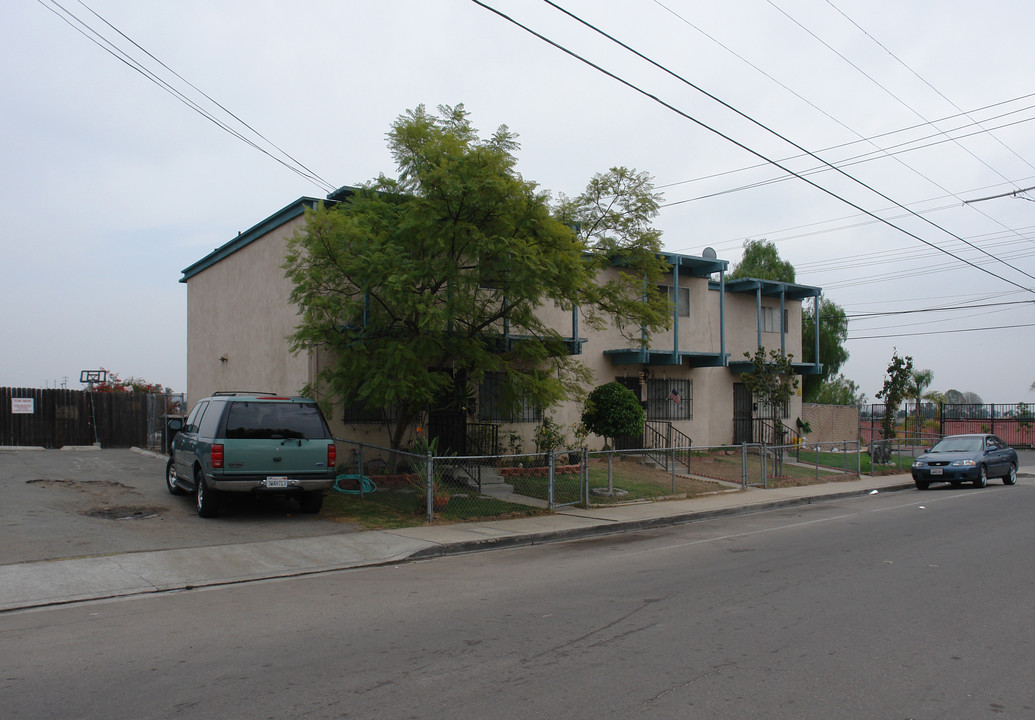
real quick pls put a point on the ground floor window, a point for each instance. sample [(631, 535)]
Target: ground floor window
[(764, 410), (670, 399), (357, 414), (493, 406)]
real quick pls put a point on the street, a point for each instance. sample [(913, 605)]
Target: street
[(899, 605)]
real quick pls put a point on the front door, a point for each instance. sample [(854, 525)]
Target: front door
[(448, 420), (743, 415)]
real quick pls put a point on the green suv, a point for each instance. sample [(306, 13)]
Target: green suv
[(246, 442)]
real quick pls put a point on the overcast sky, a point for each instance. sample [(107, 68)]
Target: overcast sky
[(112, 185)]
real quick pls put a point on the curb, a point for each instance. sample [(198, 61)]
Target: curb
[(528, 539), (437, 550)]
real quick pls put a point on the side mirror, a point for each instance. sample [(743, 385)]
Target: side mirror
[(175, 425)]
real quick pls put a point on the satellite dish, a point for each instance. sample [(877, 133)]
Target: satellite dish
[(709, 253)]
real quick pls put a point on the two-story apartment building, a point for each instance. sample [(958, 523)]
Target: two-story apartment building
[(240, 316)]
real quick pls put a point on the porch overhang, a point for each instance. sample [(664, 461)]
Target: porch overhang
[(744, 366), (634, 356)]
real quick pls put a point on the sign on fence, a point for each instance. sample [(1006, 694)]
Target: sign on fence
[(23, 406)]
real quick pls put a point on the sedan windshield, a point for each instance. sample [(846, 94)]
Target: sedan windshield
[(958, 444)]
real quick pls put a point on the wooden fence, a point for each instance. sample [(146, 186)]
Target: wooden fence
[(54, 418)]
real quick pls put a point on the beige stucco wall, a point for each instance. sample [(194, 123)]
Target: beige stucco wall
[(831, 423), (238, 309)]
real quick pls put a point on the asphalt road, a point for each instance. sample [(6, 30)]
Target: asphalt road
[(892, 606), (63, 504)]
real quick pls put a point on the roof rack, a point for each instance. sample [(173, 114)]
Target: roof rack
[(242, 392)]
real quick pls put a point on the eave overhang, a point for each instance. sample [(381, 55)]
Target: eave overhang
[(634, 356)]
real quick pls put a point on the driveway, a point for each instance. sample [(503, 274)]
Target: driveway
[(57, 504)]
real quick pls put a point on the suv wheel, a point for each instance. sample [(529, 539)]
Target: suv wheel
[(1010, 478), (311, 502), (982, 478), (170, 479), (207, 499)]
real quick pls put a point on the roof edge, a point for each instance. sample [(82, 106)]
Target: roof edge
[(277, 219)]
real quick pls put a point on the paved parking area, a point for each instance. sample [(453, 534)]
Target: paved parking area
[(57, 504)]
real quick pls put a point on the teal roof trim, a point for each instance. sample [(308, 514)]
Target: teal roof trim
[(696, 266), (274, 221), (771, 288), (744, 366), (633, 356)]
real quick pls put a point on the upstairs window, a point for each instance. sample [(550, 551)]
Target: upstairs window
[(669, 291), (770, 321)]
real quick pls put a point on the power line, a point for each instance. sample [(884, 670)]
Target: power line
[(91, 34), (870, 138), (851, 161), (949, 308), (842, 124), (924, 81), (904, 104), (761, 125), (941, 332)]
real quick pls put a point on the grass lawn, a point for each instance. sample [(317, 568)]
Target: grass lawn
[(389, 509), (639, 481)]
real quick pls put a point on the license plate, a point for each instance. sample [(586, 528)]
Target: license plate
[(276, 482), (936, 471)]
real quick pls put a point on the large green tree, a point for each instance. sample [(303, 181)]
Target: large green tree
[(416, 287), (839, 390), (762, 260), (833, 332)]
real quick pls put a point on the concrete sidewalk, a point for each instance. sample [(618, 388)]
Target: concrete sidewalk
[(39, 584)]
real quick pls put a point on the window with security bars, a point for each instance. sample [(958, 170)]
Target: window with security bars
[(670, 399), (356, 414), (764, 410), (493, 408)]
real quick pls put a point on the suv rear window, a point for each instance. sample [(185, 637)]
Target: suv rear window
[(269, 421)]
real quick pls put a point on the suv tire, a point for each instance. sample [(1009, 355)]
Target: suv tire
[(310, 502), (207, 499), (170, 479)]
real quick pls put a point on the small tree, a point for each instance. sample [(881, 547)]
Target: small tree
[(612, 411), (916, 390), (896, 382), (772, 382)]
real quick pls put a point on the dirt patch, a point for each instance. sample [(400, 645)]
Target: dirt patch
[(81, 485), (124, 512)]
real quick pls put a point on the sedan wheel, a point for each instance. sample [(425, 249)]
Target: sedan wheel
[(921, 484), (170, 479), (982, 478), (1011, 477)]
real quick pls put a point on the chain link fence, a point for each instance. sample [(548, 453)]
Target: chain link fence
[(457, 488), (161, 408)]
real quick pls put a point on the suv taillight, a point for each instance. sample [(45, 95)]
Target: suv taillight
[(216, 455), (332, 456)]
